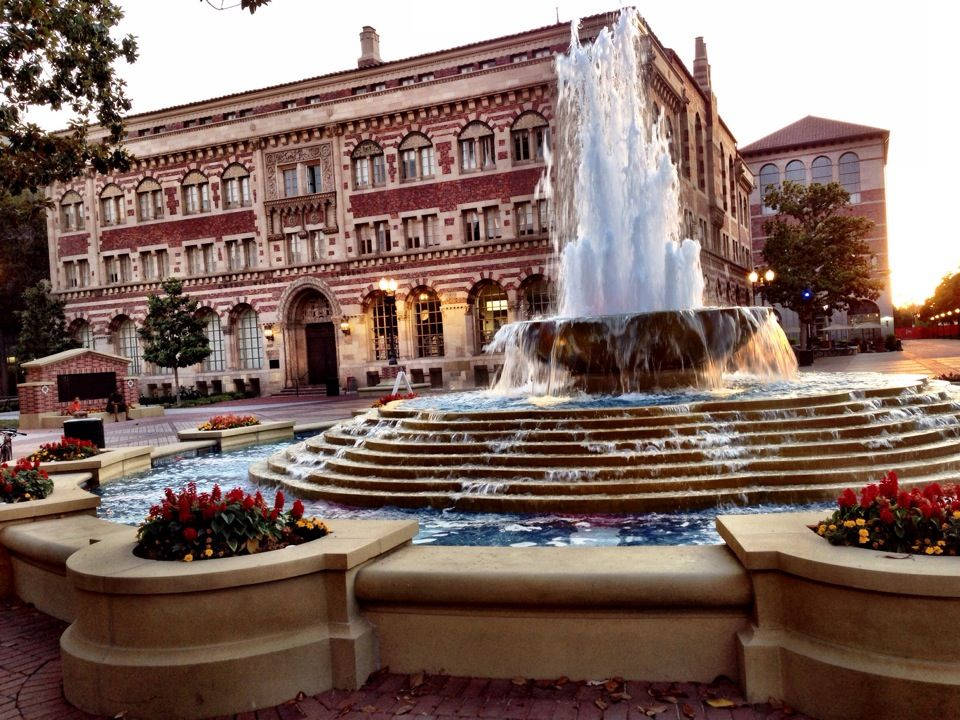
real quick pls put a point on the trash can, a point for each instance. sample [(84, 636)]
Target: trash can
[(804, 358), (85, 429)]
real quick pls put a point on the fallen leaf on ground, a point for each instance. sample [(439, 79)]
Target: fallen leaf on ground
[(404, 710), (416, 680), (601, 703), (613, 684), (519, 681), (652, 710), (620, 696), (720, 703), (369, 709), (688, 711)]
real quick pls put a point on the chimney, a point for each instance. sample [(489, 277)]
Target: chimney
[(701, 68), (369, 48)]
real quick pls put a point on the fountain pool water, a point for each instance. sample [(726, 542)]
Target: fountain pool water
[(129, 500)]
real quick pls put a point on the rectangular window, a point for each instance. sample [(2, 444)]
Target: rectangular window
[(411, 233), (379, 86), (382, 231), (471, 226), (426, 161), (408, 164), (111, 212), (426, 77), (521, 145), (70, 274), (289, 104), (364, 240), (163, 265), (541, 136), (290, 182), (235, 260), (468, 154), (191, 199), (316, 246), (204, 197), (148, 266), (361, 173), (407, 81), (524, 217), (541, 53), (464, 69), (111, 270), (518, 58), (295, 254), (488, 157), (379, 170), (491, 222), (543, 215), (207, 255), (430, 236), (486, 64), (125, 269), (314, 179), (229, 116), (314, 100)]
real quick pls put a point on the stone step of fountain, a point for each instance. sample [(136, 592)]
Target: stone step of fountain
[(710, 406)]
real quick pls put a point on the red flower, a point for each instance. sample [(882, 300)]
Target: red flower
[(904, 500), (886, 516), (278, 502), (297, 511), (889, 485), (868, 495), (847, 499), (189, 534), (8, 488), (248, 502), (185, 516), (274, 513), (926, 509), (932, 491)]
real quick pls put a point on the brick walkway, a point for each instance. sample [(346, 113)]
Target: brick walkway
[(31, 689)]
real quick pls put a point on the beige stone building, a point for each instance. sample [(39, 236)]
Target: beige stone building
[(820, 150), (283, 208)]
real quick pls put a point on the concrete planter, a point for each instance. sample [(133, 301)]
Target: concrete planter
[(844, 632), (159, 639), (106, 466), (265, 432)]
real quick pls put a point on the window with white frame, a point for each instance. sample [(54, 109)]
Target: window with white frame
[(416, 157), (428, 322), (290, 184), (431, 234), (149, 199), (314, 179), (241, 254), (476, 147), (365, 244), (490, 313), (381, 231), (117, 269), (385, 338), (111, 205), (543, 215), (531, 137), (249, 342), (523, 213), (196, 193), (200, 260), (491, 223), (153, 264), (128, 344), (71, 212), (412, 232), (215, 361), (236, 187), (295, 249), (369, 168), (70, 274), (315, 246)]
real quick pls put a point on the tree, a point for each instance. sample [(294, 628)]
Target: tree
[(173, 336), (59, 54), (945, 298), (250, 5), (23, 262), (906, 315), (817, 250), (43, 326)]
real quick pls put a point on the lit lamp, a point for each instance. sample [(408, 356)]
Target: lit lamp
[(388, 286), (345, 327), (769, 275), (11, 360), (753, 277), (268, 333)]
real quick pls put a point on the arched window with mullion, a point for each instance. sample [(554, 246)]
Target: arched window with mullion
[(428, 322), (821, 170), (384, 337), (769, 177), (369, 168), (848, 172), (249, 342), (215, 361), (795, 172), (490, 313)]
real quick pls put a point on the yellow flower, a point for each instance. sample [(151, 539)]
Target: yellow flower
[(863, 532), (941, 543), (831, 527), (861, 521), (848, 523), (821, 530), (929, 551), (956, 514), (864, 539), (208, 552), (188, 558)]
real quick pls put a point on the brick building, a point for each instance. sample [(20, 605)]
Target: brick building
[(820, 150), (283, 208)]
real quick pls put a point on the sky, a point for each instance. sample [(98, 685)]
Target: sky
[(876, 63)]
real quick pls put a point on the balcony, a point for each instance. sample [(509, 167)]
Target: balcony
[(319, 209)]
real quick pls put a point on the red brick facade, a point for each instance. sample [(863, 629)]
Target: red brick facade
[(38, 394)]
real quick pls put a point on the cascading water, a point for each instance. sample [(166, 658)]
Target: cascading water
[(630, 287)]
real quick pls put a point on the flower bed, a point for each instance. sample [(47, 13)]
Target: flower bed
[(228, 422), (65, 449), (386, 399), (23, 482), (884, 517), (196, 526)]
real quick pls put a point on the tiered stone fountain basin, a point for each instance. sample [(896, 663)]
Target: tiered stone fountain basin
[(633, 459)]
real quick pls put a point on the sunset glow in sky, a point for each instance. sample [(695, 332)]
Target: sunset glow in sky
[(875, 63)]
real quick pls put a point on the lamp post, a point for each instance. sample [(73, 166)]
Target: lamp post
[(753, 277), (388, 286)]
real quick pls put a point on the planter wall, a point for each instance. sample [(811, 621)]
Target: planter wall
[(106, 466), (844, 632), (265, 432), (216, 637), (652, 613)]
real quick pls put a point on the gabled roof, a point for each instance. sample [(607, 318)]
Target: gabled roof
[(811, 130), (68, 355)]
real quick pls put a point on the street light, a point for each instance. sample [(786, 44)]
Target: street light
[(753, 277), (769, 275), (388, 286)]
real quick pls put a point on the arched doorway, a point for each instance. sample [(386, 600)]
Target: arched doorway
[(312, 342)]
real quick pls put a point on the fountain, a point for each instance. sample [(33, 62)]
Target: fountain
[(634, 397)]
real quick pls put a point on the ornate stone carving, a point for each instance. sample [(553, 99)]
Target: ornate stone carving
[(322, 152)]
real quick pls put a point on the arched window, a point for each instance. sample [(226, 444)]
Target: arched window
[(795, 172), (385, 340), (723, 178), (685, 143), (821, 170), (536, 297), (71, 211), (701, 168), (416, 157), (215, 361), (249, 343), (477, 147), (236, 186), (848, 172), (531, 137), (428, 321), (128, 344), (490, 313), (196, 193), (111, 205), (81, 331), (369, 169), (769, 177), (733, 186), (149, 199), (671, 144)]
